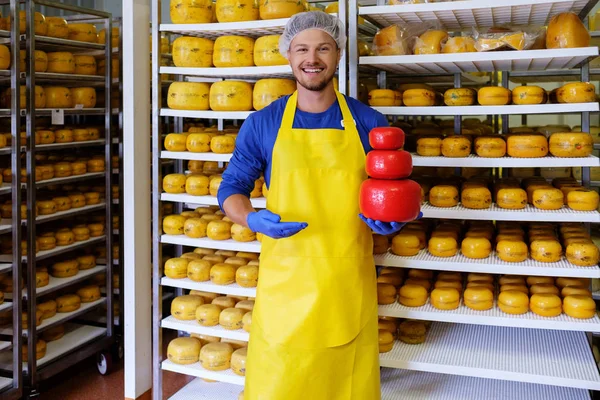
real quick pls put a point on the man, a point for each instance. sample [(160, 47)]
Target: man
[(314, 330)]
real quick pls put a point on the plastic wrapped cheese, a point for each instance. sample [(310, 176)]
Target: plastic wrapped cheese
[(391, 41)]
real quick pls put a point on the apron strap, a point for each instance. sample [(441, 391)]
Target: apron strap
[(290, 111)]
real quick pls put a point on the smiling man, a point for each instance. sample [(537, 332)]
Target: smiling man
[(314, 329)]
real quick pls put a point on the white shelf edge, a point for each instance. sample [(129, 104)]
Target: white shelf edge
[(491, 110), (208, 286), (260, 202), (506, 162), (230, 244), (72, 211), (64, 317), (196, 370), (186, 155), (167, 112), (193, 326), (237, 72)]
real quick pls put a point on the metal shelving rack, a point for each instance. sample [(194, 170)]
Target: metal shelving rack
[(80, 340), (454, 359)]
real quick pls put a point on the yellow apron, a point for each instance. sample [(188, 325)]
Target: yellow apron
[(314, 326)]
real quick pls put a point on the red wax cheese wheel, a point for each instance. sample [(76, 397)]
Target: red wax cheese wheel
[(390, 200), (389, 164), (386, 138)]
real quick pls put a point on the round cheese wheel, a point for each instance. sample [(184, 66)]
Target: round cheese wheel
[(412, 295), (237, 10), (208, 314), (583, 200), (86, 261), (384, 98), (89, 293), (216, 356), (184, 307), (223, 144), (191, 11), (224, 302), (199, 270), (4, 57), (443, 196), (443, 246), (513, 302), (114, 37), (188, 96), (85, 65), (429, 146), (546, 305), (456, 146), (583, 254), (512, 199), (57, 27), (527, 146), (58, 97), (418, 97), (173, 224), (198, 142), (218, 230), (176, 268), (546, 250), (548, 199), (184, 350), (476, 247), (576, 92), (68, 303), (476, 198), (246, 305), (222, 274), (247, 321), (275, 9), (240, 233), (77, 201), (494, 96), (175, 142), (84, 96), (231, 96), (459, 97), (231, 318), (490, 146), (46, 207), (238, 361), (64, 135), (247, 276), (529, 95), (233, 51), (406, 244), (47, 308), (83, 32), (65, 238), (267, 91), (578, 306), (65, 269), (571, 144), (193, 52), (266, 51)]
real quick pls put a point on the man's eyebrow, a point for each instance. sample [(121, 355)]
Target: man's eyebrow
[(320, 44)]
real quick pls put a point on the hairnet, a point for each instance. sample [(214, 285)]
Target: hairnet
[(312, 20)]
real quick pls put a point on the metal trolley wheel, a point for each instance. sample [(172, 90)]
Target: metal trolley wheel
[(104, 363)]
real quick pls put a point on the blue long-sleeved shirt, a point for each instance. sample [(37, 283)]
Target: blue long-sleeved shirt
[(256, 140)]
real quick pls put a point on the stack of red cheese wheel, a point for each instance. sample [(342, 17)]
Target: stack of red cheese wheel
[(388, 196)]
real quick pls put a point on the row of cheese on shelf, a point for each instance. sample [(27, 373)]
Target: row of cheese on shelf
[(517, 145), (228, 312), (49, 335), (564, 30), (215, 268), (227, 95), (218, 356), (545, 244), (478, 294), (197, 184), (63, 169), (202, 142), (407, 331), (213, 226), (55, 135), (207, 11), (578, 92), (508, 194), (72, 200), (53, 97), (64, 304), (58, 27), (60, 62)]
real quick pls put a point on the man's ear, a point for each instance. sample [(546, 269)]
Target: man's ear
[(339, 55)]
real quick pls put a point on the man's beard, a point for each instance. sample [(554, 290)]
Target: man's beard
[(316, 87)]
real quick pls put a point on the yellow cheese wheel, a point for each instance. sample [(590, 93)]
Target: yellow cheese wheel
[(548, 199), (176, 268), (459, 44), (47, 308), (224, 302), (494, 96), (89, 293), (64, 135), (583, 200), (193, 52), (83, 32), (571, 144), (274, 9), (114, 37), (40, 349), (57, 27), (222, 274), (443, 196), (86, 261), (406, 244), (213, 188), (233, 51), (546, 250), (95, 165), (46, 207), (191, 11), (222, 144), (184, 350), (101, 68), (65, 238), (247, 276), (58, 97), (267, 91), (456, 146), (81, 233), (266, 51), (198, 142), (459, 97), (583, 254), (578, 306), (39, 23), (577, 92), (231, 318), (527, 146), (384, 98), (429, 146), (490, 146), (231, 96), (174, 183), (199, 270), (247, 321), (546, 305), (85, 65), (175, 142), (195, 228), (418, 97), (83, 96), (566, 30), (4, 57), (216, 356), (240, 233), (238, 361), (188, 96), (511, 198), (476, 247), (442, 246), (65, 269), (528, 95), (196, 185), (208, 314), (184, 307), (61, 62), (476, 198), (237, 10), (511, 250), (67, 303)]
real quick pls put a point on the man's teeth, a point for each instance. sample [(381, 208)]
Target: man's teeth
[(313, 70)]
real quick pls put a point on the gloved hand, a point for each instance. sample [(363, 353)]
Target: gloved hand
[(267, 223), (385, 228)]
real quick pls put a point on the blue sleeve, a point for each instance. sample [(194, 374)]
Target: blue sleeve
[(246, 165)]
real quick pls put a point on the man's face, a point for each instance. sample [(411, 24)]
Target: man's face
[(314, 57)]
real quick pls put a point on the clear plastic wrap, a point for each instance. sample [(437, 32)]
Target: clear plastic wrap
[(459, 44), (396, 40), (507, 38)]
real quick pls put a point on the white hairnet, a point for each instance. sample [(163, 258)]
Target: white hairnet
[(312, 20)]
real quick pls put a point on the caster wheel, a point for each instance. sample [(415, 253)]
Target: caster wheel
[(104, 363), (118, 351)]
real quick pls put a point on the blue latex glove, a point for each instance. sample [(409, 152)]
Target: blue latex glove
[(267, 223), (385, 228)]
